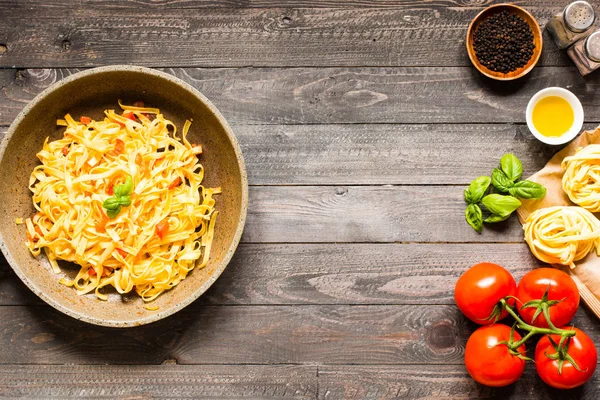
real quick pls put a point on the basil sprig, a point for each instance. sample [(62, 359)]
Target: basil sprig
[(120, 199), (511, 166), (501, 205), (527, 190), (473, 195)]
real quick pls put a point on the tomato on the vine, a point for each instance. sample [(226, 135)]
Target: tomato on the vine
[(479, 290), (562, 296), (490, 362), (580, 348)]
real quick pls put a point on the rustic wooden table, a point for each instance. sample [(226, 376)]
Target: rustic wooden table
[(361, 122)]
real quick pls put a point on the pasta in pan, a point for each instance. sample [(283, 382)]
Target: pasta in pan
[(123, 198), (562, 235), (581, 180)]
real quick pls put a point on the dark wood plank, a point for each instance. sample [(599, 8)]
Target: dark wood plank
[(373, 154), (343, 95), (270, 274), (384, 154), (414, 34), (432, 382), (312, 214), (327, 334), (158, 382), (194, 4)]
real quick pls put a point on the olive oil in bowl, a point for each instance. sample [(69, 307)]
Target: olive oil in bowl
[(554, 115)]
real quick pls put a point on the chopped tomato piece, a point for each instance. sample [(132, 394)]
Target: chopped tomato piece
[(65, 150), (162, 228), (138, 103), (176, 182), (85, 120), (122, 252), (130, 115), (110, 189), (101, 225), (119, 147), (92, 271)]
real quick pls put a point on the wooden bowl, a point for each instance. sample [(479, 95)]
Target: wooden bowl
[(537, 39), (89, 93)]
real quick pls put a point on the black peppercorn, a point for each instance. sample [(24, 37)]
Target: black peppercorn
[(503, 42)]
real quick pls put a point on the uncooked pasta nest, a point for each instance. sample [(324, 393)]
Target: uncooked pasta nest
[(123, 198), (581, 180), (562, 235)]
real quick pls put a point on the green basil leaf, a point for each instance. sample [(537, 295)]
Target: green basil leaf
[(501, 181), (495, 218), (125, 201), (528, 190), (113, 213), (112, 203), (511, 166), (474, 193), (124, 189), (474, 217), (500, 205)]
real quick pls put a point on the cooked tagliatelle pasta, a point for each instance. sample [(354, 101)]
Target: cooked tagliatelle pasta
[(562, 235), (581, 180), (123, 198)]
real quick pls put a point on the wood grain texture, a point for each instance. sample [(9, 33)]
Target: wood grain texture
[(271, 274), (378, 154), (280, 214), (326, 334), (158, 382), (432, 382), (345, 95), (195, 4), (412, 35), (374, 154)]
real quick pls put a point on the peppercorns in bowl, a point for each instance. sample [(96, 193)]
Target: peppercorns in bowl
[(504, 42)]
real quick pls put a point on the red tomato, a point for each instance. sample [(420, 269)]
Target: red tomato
[(479, 290), (85, 120), (129, 114), (92, 271), (491, 363), (119, 147), (122, 252), (580, 348), (162, 228), (560, 287), (65, 150)]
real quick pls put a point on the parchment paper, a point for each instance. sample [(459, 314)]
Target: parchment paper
[(586, 274)]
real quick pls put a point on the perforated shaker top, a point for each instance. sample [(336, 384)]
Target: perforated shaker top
[(579, 16), (592, 46)]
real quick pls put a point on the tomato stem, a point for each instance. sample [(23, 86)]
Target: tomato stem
[(534, 330)]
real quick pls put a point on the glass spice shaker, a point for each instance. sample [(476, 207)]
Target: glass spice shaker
[(572, 24), (586, 53)]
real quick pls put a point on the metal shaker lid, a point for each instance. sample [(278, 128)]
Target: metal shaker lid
[(579, 16), (592, 46)]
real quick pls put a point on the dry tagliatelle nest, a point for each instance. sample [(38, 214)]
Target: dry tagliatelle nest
[(581, 180), (562, 235)]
